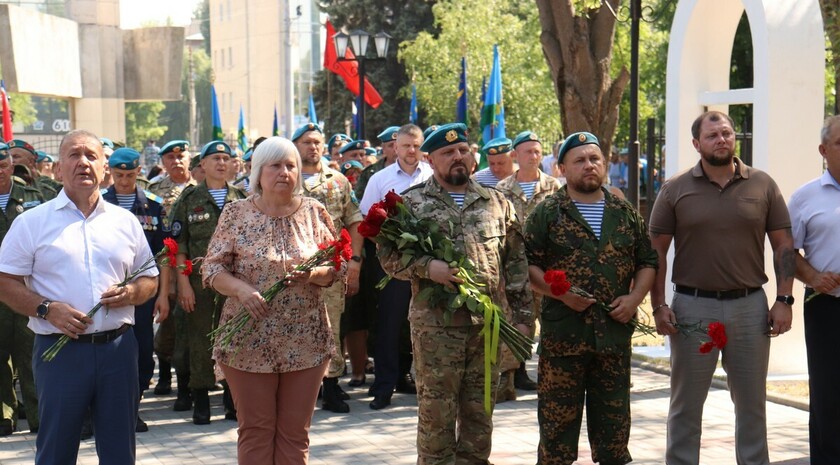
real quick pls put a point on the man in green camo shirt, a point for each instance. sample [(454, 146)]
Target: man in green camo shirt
[(602, 244)]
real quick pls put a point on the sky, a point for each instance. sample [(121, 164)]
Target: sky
[(135, 13)]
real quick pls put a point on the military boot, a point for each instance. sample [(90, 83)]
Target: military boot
[(506, 391), (332, 400), (201, 412), (184, 402), (164, 384), (522, 381)]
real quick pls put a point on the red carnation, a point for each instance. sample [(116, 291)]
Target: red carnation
[(706, 347), (560, 287), (718, 334), (187, 268)]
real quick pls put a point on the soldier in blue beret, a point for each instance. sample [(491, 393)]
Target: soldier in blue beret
[(354, 150), (576, 140), (525, 136), (388, 139), (44, 165), (23, 153), (148, 209), (500, 161), (336, 142), (15, 338), (306, 128), (429, 130)]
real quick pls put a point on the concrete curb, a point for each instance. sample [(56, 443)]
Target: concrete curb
[(720, 383)]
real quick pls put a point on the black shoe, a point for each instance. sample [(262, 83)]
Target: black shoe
[(21, 411), (521, 379), (332, 400), (357, 382), (227, 401), (405, 385), (201, 410), (87, 429), (341, 394), (141, 426), (164, 384), (6, 428), (184, 402), (380, 402)]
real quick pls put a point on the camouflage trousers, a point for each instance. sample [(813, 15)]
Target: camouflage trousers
[(452, 427), (193, 336), (334, 299), (566, 384), (16, 342)]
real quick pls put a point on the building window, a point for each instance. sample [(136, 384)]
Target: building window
[(228, 2), (221, 12), (222, 61)]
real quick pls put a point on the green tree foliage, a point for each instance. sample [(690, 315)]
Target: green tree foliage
[(528, 95), (403, 21), (142, 123), (22, 109)]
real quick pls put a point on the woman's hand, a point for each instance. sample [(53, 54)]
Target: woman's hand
[(186, 298), (251, 300)]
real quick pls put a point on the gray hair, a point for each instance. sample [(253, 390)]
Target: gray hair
[(271, 150), (825, 133), (76, 134)]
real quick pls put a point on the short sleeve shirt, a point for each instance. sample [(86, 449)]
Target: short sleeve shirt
[(815, 220)]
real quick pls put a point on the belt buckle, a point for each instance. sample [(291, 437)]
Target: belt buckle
[(719, 295)]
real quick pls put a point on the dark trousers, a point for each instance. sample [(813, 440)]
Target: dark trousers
[(393, 313), (822, 317), (144, 332), (99, 377)]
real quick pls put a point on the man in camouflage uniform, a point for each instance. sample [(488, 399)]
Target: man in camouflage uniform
[(194, 220), (449, 355), (602, 244), (525, 188), (175, 156), (16, 338), (332, 189), (388, 138), (23, 153)]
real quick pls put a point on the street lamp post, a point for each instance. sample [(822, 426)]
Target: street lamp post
[(358, 41)]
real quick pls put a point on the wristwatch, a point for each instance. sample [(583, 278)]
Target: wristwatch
[(43, 309), (785, 299), (356, 258)]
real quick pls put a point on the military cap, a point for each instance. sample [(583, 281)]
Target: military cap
[(215, 146), (348, 165), (371, 151), (4, 151), (42, 156), (194, 162), (389, 134), (247, 155), (124, 158), (337, 138), (576, 140), (353, 145), (176, 146), (445, 135), (22, 144), (107, 143), (525, 136), (497, 146), (429, 130), (304, 129)]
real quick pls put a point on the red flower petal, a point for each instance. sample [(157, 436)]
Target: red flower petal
[(706, 347)]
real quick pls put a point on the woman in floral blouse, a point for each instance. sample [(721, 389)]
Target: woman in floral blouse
[(275, 369)]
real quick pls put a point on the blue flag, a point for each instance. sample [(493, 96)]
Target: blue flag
[(275, 127), (461, 104), (241, 138), (313, 118), (355, 121), (217, 133), (493, 113), (412, 111)]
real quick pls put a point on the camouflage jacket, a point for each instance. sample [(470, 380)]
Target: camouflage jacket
[(194, 218), (169, 192), (487, 231), (558, 238), (546, 185), (21, 198), (365, 176), (332, 189)]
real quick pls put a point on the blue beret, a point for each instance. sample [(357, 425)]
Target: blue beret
[(304, 129), (124, 158), (22, 144), (497, 146), (388, 134), (353, 145), (247, 155), (176, 146), (445, 135), (337, 138), (371, 151), (107, 143), (525, 136), (4, 151), (215, 146), (429, 130), (576, 140), (348, 165), (42, 156)]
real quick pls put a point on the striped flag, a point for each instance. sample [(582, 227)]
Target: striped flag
[(493, 113)]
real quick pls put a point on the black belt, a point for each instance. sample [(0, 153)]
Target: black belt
[(719, 295), (100, 338)]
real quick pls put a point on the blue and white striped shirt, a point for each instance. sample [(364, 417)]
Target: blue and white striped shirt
[(458, 197), (219, 196), (528, 188), (593, 213), (126, 200)]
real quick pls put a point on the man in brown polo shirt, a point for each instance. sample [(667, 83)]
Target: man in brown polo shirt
[(718, 214)]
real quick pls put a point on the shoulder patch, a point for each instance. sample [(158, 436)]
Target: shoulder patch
[(152, 197), (103, 191), (176, 228), (30, 204)]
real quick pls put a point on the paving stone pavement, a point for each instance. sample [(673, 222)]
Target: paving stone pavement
[(365, 436)]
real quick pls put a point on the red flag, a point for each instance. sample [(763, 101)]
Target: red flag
[(7, 115), (348, 70)]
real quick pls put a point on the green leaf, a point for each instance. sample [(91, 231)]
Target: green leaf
[(457, 301), (409, 237), (405, 259), (425, 294)]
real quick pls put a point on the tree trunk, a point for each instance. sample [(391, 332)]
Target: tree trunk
[(831, 15), (578, 49)]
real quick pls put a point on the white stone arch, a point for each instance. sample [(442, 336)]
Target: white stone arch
[(787, 98)]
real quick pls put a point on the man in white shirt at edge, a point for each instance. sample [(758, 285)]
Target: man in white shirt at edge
[(408, 171), (58, 261)]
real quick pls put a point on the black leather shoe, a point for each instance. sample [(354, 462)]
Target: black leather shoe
[(6, 428), (405, 385), (141, 426), (164, 384), (380, 402), (201, 410), (357, 382), (184, 402), (341, 394), (522, 381)]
